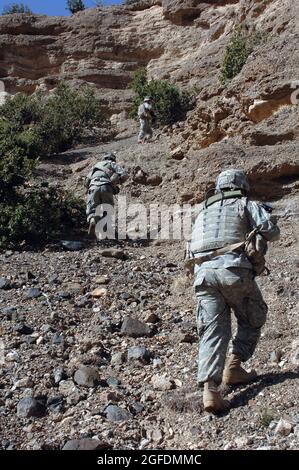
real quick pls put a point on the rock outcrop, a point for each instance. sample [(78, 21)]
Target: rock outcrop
[(181, 40)]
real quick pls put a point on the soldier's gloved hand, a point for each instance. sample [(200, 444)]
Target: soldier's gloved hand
[(114, 179), (261, 244)]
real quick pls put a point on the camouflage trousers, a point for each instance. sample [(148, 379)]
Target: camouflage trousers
[(145, 129), (219, 291), (96, 197)]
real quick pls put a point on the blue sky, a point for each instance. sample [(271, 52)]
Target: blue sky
[(52, 7)]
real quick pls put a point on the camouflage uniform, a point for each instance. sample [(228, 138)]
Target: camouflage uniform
[(226, 283), (101, 183), (145, 115)]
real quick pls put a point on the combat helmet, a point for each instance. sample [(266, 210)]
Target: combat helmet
[(232, 179), (110, 156), (148, 98)]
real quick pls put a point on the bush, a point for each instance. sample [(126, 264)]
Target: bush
[(16, 164), (16, 8), (75, 5), (66, 117), (39, 215), (237, 52), (171, 104), (31, 128), (45, 127)]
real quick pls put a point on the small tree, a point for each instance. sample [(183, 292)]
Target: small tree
[(16, 8), (171, 104), (240, 46), (75, 5)]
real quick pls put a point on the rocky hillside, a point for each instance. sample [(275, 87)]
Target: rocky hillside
[(105, 347), (181, 40)]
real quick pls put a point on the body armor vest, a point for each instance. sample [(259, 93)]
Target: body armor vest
[(101, 173), (220, 223)]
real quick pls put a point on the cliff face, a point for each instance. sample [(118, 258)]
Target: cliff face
[(181, 40)]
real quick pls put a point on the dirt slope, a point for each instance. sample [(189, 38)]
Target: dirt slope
[(71, 328)]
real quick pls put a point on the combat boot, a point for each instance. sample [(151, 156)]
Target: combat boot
[(212, 400), (92, 227), (234, 374)]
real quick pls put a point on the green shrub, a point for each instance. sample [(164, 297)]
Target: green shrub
[(16, 8), (237, 52), (171, 104), (48, 126), (39, 215), (31, 128), (75, 5), (16, 164)]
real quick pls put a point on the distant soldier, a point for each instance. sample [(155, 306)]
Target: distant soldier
[(146, 117), (229, 241), (102, 183)]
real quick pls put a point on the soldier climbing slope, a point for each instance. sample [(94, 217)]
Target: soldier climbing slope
[(146, 117), (226, 260), (102, 183)]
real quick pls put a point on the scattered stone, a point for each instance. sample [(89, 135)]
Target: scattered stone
[(177, 153), (118, 358), (135, 328), (57, 339), (113, 382), (155, 435), (66, 387), (30, 407), (140, 177), (161, 382), (151, 317), (99, 292), (111, 396), (101, 280), (84, 301), (33, 293), (137, 407), (87, 376), (154, 180), (54, 279), (113, 253), (85, 444), (72, 245), (139, 353), (187, 338), (23, 329), (64, 295), (10, 312), (59, 375), (26, 382), (56, 404), (283, 428), (157, 362), (242, 442), (4, 283), (275, 357), (115, 413)]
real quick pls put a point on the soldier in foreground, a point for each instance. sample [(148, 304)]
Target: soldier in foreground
[(146, 116), (102, 183), (226, 260)]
